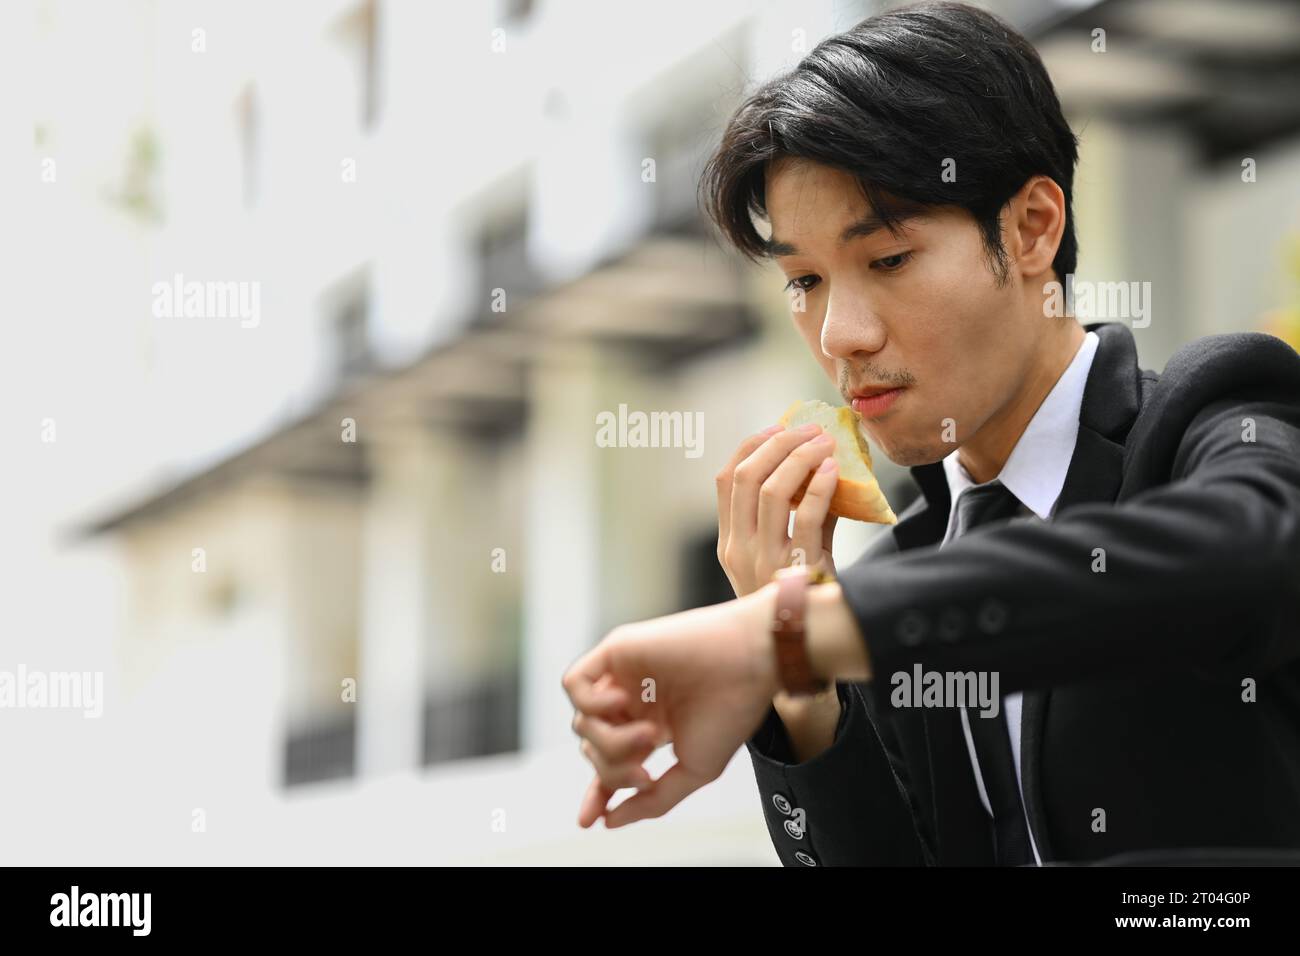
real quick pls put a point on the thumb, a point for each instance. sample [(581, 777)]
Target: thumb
[(665, 793)]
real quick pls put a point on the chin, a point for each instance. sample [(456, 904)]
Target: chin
[(908, 454)]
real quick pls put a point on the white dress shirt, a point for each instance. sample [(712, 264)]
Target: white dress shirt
[(1034, 473)]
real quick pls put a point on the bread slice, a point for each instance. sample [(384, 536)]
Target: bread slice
[(857, 495)]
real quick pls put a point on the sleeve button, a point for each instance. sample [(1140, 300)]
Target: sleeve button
[(911, 628), (951, 624), (797, 825), (992, 616)]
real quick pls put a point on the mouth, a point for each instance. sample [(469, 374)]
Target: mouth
[(873, 401)]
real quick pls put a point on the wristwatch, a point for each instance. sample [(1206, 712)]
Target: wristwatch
[(788, 635)]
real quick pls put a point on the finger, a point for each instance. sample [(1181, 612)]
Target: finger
[(630, 741), (828, 526), (617, 775), (723, 478), (593, 803), (811, 514), (587, 691), (666, 792), (754, 470), (618, 714), (776, 497)]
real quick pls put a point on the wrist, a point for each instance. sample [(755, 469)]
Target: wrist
[(836, 648)]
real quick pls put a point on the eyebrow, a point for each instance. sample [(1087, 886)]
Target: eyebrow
[(864, 226)]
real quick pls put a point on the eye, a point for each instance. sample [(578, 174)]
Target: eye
[(892, 263), (800, 282)]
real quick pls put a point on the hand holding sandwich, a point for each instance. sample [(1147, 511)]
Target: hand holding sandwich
[(816, 463), (755, 490)]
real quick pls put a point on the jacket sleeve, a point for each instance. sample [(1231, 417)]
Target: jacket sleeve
[(1199, 574), (844, 807)]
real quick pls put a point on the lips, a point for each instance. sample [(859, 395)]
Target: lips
[(875, 400), (871, 390)]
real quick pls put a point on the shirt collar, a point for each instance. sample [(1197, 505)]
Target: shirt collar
[(1035, 470)]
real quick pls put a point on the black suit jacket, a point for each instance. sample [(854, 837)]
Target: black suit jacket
[(1134, 677)]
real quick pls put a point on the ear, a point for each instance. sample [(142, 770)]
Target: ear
[(1036, 221)]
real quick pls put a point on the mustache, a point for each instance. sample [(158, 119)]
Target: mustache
[(867, 375)]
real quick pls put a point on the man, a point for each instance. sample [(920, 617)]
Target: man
[(1115, 554)]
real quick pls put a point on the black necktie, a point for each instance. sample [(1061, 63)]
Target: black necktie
[(978, 505)]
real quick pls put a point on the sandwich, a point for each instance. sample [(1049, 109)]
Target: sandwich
[(857, 494)]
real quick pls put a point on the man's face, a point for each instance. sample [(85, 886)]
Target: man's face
[(921, 310)]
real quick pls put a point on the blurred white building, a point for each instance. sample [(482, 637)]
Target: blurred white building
[(471, 228)]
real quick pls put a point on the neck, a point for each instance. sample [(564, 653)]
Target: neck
[(984, 454)]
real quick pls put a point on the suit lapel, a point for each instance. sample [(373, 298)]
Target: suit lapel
[(1111, 399)]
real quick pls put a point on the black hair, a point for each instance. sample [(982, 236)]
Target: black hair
[(889, 101)]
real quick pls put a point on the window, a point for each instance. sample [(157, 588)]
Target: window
[(476, 721), (323, 751), (703, 580)]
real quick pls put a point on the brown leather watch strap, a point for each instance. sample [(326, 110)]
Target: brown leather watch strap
[(788, 632)]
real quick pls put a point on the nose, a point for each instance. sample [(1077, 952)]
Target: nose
[(851, 326)]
